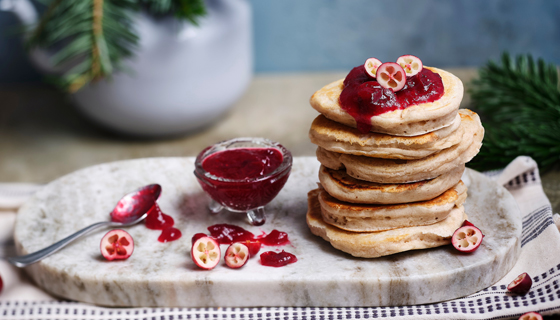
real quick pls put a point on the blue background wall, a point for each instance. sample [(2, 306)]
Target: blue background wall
[(314, 35)]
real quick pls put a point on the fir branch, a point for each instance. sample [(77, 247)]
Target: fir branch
[(90, 36), (519, 101), (190, 10)]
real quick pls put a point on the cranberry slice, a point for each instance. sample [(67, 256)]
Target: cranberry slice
[(205, 253), (531, 316), (521, 285), (117, 245), (411, 65), (237, 255), (371, 66), (391, 75), (467, 238)]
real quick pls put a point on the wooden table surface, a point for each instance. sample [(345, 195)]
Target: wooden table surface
[(42, 136)]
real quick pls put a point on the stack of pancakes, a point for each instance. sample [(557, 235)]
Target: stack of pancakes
[(398, 187)]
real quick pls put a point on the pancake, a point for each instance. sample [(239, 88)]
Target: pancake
[(339, 138), (412, 121), (383, 243), (404, 171), (345, 188), (381, 217)]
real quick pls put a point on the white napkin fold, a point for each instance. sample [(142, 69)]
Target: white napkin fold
[(540, 257), (13, 195)]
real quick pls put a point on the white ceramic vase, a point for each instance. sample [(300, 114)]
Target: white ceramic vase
[(183, 77)]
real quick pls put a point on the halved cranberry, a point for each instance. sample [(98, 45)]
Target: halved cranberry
[(467, 238), (205, 253), (117, 245), (237, 255), (521, 285), (531, 316), (411, 65), (371, 66), (391, 75)]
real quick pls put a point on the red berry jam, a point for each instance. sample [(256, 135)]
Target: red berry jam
[(277, 259), (363, 97), (243, 179), (228, 233), (157, 220), (275, 238), (243, 163), (169, 234)]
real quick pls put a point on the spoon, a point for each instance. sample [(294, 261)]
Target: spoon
[(131, 209)]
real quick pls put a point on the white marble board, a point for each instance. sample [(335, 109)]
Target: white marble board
[(162, 274)]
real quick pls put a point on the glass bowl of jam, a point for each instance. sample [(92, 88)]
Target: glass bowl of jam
[(243, 175)]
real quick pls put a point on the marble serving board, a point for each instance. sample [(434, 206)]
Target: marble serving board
[(163, 274)]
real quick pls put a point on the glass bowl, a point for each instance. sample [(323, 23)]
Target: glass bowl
[(249, 194)]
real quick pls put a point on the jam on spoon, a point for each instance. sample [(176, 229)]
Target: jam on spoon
[(131, 209)]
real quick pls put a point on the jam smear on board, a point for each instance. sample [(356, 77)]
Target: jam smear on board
[(228, 233), (169, 234), (157, 220), (363, 97), (274, 238), (277, 259)]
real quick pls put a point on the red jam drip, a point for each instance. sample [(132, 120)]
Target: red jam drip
[(275, 238), (277, 259), (228, 234), (363, 97), (243, 163), (170, 234), (157, 220)]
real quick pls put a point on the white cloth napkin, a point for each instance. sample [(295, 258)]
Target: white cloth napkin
[(540, 257)]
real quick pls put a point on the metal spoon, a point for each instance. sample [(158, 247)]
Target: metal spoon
[(130, 210)]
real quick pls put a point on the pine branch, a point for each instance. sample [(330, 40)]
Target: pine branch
[(93, 36), (519, 101), (190, 10)]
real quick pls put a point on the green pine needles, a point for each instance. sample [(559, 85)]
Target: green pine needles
[(90, 38), (519, 102)]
